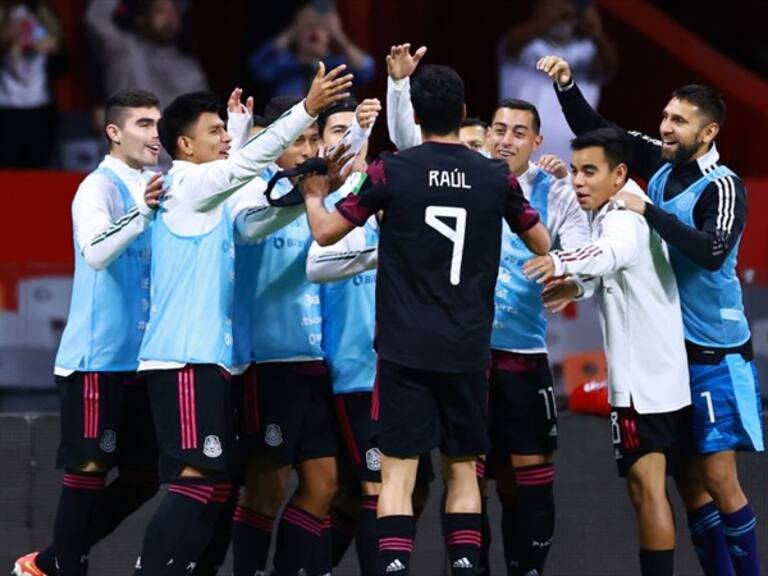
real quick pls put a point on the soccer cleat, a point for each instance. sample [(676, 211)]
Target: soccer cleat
[(25, 566)]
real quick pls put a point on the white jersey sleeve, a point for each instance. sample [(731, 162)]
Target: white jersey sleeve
[(615, 249), (102, 227), (403, 130), (255, 218), (568, 223), (239, 127), (208, 185), (348, 257)]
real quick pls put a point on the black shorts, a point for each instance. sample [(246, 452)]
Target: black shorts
[(523, 415), (289, 413), (106, 418), (193, 409), (635, 435), (418, 410), (356, 431)]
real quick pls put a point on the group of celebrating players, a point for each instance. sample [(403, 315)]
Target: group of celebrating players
[(214, 347)]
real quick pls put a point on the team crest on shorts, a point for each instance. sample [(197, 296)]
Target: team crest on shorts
[(373, 459), (273, 435), (108, 442), (212, 447)]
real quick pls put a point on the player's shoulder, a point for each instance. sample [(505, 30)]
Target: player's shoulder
[(94, 186)]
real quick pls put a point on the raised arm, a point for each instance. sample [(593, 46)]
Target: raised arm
[(99, 20), (214, 182), (581, 117), (239, 118), (403, 130)]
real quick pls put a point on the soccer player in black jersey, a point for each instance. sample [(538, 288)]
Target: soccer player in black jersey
[(443, 206)]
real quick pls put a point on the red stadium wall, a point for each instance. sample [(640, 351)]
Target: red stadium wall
[(36, 239)]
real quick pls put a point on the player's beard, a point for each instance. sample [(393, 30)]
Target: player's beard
[(683, 153)]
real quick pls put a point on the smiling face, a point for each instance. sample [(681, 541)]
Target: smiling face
[(205, 140), (305, 147), (685, 132), (594, 180), (133, 137), (513, 138)]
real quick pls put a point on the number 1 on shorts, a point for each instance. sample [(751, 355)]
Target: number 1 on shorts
[(710, 408)]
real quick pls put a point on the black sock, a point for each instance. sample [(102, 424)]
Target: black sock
[(81, 495), (122, 497), (215, 552), (324, 560), (534, 516), (463, 537), (251, 536), (509, 537), (343, 527), (182, 525), (299, 542), (395, 544), (367, 536), (657, 562), (485, 550)]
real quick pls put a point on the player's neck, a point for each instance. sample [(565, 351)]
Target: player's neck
[(450, 138), (131, 163)]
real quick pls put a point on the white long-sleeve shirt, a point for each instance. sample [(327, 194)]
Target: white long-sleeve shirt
[(639, 309), (197, 193), (102, 225)]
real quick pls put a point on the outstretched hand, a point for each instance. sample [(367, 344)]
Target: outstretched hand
[(556, 68), (401, 63), (327, 89), (235, 105)]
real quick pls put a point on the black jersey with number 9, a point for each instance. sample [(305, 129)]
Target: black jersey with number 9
[(439, 248)]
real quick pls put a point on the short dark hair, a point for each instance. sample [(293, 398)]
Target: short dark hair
[(116, 105), (437, 95), (515, 104), (346, 105), (182, 113), (707, 99), (615, 143), (278, 106), (474, 122)]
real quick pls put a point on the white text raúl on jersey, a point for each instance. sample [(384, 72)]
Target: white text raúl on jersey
[(451, 179)]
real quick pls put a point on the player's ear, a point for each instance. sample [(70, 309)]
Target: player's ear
[(184, 144), (464, 111), (710, 132), (620, 174), (113, 133), (416, 118)]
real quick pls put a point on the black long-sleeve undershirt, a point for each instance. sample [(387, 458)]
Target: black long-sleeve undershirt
[(720, 212)]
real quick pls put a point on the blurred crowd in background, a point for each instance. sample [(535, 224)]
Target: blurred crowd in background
[(149, 44)]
